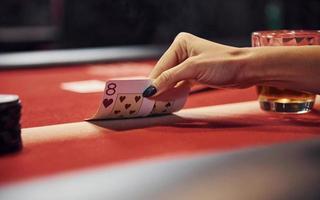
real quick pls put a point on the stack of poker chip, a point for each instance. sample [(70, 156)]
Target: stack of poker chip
[(10, 130)]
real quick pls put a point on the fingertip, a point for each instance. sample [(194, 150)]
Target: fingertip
[(149, 91), (159, 86)]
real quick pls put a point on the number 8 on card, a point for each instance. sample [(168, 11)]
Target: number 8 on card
[(123, 99)]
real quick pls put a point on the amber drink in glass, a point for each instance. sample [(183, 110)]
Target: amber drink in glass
[(277, 99)]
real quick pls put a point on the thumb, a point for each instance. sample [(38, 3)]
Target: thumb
[(169, 78)]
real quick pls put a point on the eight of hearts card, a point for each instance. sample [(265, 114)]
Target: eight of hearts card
[(122, 98)]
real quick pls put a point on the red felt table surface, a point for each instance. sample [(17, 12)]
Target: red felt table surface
[(61, 148)]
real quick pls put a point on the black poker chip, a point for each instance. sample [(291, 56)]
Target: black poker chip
[(10, 129)]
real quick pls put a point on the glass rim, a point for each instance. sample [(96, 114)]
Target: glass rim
[(286, 33)]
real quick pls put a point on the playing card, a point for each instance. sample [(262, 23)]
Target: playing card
[(171, 101), (166, 107), (127, 106), (162, 107), (123, 99)]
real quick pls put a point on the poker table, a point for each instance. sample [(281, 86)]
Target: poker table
[(57, 139)]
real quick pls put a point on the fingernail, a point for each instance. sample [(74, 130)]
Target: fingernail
[(151, 90)]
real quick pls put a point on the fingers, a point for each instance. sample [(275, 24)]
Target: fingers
[(176, 53), (170, 77)]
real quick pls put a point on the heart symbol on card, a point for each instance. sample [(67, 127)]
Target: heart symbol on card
[(168, 104), (117, 111), (127, 106), (122, 98), (131, 112), (137, 98), (107, 102)]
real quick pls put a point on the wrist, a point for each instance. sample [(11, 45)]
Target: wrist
[(263, 65), (250, 66)]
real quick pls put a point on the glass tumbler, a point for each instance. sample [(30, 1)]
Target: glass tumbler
[(277, 99)]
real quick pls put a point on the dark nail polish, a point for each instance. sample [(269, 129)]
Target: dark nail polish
[(151, 90)]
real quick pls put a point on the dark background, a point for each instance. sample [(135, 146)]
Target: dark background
[(60, 24)]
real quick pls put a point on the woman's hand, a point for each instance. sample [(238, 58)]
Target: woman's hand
[(195, 59), (190, 58)]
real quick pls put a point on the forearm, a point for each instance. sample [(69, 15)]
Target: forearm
[(295, 68)]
